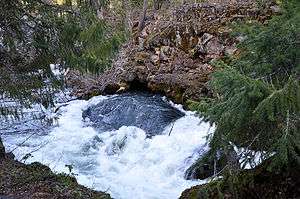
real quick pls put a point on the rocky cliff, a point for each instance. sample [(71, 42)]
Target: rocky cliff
[(173, 53)]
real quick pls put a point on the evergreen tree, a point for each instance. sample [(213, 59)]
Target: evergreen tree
[(35, 34), (257, 95)]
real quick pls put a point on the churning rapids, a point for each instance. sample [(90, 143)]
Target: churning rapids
[(130, 145)]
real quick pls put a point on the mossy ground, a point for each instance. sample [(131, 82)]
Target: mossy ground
[(36, 181)]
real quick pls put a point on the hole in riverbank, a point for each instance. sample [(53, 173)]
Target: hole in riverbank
[(137, 85)]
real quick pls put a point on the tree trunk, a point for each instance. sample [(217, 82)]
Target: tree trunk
[(127, 15), (143, 17), (2, 150), (99, 9), (156, 4)]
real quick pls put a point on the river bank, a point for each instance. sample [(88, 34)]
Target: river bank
[(37, 181)]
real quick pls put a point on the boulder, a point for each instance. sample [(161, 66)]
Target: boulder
[(207, 166)]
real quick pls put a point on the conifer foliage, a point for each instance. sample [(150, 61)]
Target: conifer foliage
[(37, 33), (257, 95)]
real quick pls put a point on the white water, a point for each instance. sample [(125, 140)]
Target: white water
[(124, 162)]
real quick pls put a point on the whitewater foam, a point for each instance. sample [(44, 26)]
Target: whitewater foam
[(123, 162)]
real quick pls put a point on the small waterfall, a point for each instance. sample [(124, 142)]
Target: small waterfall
[(131, 145)]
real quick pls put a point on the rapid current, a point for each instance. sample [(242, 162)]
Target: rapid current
[(132, 145)]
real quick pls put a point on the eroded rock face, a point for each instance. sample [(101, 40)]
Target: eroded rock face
[(146, 111), (173, 53)]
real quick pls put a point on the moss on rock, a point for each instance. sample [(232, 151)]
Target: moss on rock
[(37, 181)]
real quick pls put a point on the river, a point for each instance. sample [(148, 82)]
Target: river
[(129, 145)]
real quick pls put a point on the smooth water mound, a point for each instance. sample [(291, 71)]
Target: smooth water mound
[(145, 111)]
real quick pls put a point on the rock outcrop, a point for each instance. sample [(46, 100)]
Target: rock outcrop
[(173, 53)]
